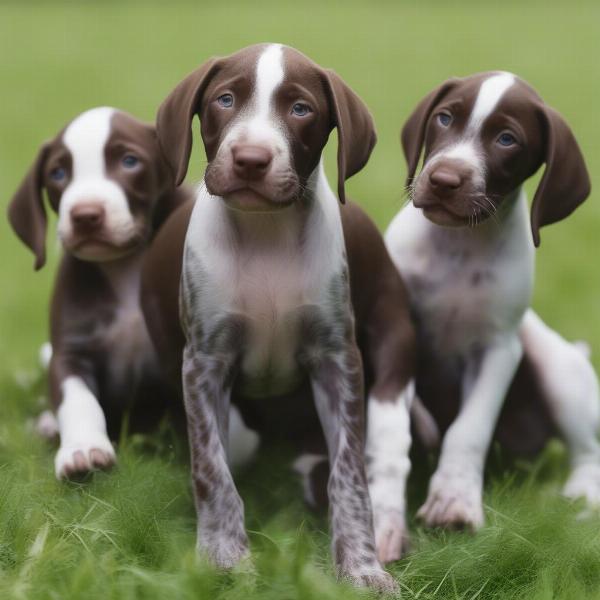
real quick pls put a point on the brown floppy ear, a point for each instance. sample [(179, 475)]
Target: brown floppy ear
[(565, 183), (356, 130), (413, 132), (26, 211), (174, 118)]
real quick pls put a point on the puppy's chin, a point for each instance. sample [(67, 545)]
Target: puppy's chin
[(249, 200), (99, 251), (439, 215)]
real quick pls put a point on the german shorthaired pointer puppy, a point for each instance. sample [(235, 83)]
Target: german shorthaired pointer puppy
[(466, 251), (106, 180), (265, 300)]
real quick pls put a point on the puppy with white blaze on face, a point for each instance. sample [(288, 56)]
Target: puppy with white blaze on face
[(286, 299), (106, 180), (465, 248)]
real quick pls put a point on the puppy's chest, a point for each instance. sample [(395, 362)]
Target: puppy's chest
[(461, 297), (273, 295)]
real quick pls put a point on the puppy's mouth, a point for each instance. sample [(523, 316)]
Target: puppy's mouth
[(441, 213), (98, 248), (250, 200)]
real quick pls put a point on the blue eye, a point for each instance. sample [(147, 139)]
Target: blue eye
[(129, 161), (444, 119), (226, 100), (300, 109), (58, 174), (506, 139)]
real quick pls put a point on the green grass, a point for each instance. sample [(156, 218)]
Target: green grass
[(130, 533)]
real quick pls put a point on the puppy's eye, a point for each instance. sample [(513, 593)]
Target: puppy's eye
[(444, 119), (507, 139), (59, 174), (300, 109), (225, 100), (129, 161)]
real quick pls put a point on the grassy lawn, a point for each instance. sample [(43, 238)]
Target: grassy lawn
[(130, 533)]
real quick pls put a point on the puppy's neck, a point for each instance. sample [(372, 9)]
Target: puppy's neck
[(123, 276)]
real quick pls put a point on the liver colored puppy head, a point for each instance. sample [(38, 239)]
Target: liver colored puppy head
[(266, 113), (483, 136), (103, 174)]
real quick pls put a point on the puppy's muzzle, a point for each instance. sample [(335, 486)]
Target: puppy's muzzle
[(251, 163)]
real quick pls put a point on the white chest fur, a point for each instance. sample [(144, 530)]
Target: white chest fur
[(267, 269), (467, 285)]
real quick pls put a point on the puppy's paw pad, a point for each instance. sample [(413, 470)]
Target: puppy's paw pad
[(79, 459), (391, 536)]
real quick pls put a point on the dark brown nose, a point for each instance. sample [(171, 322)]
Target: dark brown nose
[(445, 179), (251, 162), (87, 217)]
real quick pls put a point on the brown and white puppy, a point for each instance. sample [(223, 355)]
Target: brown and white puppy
[(465, 247), (106, 180), (265, 297)]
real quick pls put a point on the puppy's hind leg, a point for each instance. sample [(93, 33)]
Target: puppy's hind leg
[(570, 386)]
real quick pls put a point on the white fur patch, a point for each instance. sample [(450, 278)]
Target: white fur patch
[(388, 466), (86, 139), (81, 424), (490, 93)]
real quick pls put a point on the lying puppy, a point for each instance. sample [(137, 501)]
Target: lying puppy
[(466, 251), (106, 180), (265, 297)]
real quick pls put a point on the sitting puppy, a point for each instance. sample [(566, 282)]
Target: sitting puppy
[(466, 251), (111, 189), (266, 304)]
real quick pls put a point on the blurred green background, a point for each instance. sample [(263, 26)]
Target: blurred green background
[(58, 59)]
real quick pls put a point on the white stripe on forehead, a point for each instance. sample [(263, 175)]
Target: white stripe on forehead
[(490, 93), (85, 138), (269, 75)]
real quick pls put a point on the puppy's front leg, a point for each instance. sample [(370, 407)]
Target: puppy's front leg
[(337, 384), (455, 490), (220, 526), (84, 443)]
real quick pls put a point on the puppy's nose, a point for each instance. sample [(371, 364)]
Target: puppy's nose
[(251, 162), (447, 179), (87, 217)]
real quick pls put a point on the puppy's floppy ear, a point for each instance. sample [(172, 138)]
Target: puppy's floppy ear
[(174, 118), (413, 132), (565, 183), (26, 211), (356, 130)]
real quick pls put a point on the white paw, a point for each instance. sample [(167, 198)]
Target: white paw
[(391, 536), (75, 459), (454, 501), (584, 482), (373, 577)]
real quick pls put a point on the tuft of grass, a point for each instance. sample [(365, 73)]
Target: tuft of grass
[(130, 534)]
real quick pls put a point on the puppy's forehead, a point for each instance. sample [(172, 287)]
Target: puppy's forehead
[(85, 138)]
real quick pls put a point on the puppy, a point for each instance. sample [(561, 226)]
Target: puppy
[(273, 274), (465, 247), (106, 180)]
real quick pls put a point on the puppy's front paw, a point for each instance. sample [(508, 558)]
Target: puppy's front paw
[(227, 553), (373, 577), (75, 459), (454, 501), (391, 536), (584, 482)]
